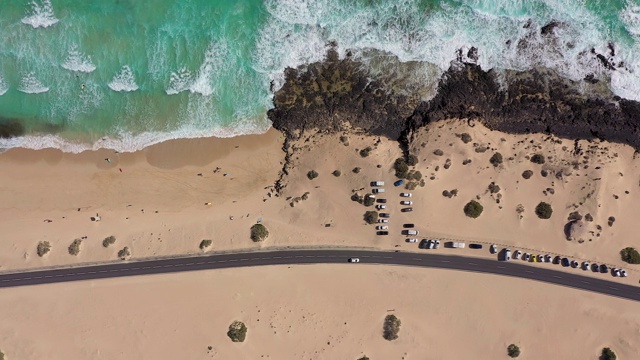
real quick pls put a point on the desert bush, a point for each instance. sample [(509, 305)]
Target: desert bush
[(237, 331), (544, 210), (124, 253), (411, 185), (414, 175), (438, 152), (537, 159), (205, 244), (74, 248), (2, 355), (43, 248), (608, 354), (365, 152), (513, 350), (344, 139), (630, 255), (401, 168), (362, 358), (412, 160), (356, 170), (473, 209), (465, 137), (336, 173), (391, 327), (312, 174), (369, 200), (356, 197), (447, 194), (371, 217), (259, 232), (493, 188), (305, 196), (496, 159), (109, 241), (527, 174)]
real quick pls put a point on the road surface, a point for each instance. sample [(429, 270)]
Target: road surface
[(553, 274)]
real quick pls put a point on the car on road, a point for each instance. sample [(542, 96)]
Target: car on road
[(381, 206), (382, 233), (547, 258), (405, 194), (604, 269), (585, 265), (385, 215), (410, 232), (623, 273), (475, 246), (507, 254), (383, 220), (354, 260), (526, 257), (405, 202), (382, 227), (408, 226), (565, 262), (412, 240), (382, 201), (574, 264), (540, 258), (493, 249), (406, 209), (517, 254)]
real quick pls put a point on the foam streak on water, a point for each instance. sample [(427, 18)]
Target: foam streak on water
[(76, 61), (3, 86), (29, 84), (124, 80), (40, 14)]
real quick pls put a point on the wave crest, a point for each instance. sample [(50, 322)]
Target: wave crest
[(124, 80), (40, 14), (29, 84), (77, 61)]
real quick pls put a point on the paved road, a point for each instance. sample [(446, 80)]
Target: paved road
[(553, 274)]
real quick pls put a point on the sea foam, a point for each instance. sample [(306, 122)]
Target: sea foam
[(40, 14), (203, 81), (76, 61), (4, 87), (124, 80), (31, 85)]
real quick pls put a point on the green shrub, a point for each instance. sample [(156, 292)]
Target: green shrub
[(109, 241), (312, 174), (412, 160), (43, 248), (356, 170), (237, 331), (493, 188), (369, 200), (496, 159), (124, 253), (205, 244), (371, 217), (401, 167), (74, 248), (465, 137), (608, 354), (513, 350), (473, 209), (336, 173), (527, 174), (537, 159), (259, 232), (391, 327), (1, 355), (362, 358), (365, 152), (414, 175), (544, 210), (305, 196), (630, 255)]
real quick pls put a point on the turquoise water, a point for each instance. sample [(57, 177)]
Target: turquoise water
[(125, 74)]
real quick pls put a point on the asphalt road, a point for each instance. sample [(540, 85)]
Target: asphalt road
[(553, 274)]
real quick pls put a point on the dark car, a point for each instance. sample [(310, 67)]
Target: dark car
[(406, 209), (595, 267), (382, 201), (565, 262), (408, 226), (382, 233), (424, 244), (475, 246), (604, 269), (398, 183), (385, 215)]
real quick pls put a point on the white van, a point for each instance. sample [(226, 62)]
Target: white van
[(377, 183), (411, 232), (405, 194), (507, 254), (377, 191), (457, 245)]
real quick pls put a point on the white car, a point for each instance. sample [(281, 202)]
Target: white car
[(383, 220), (507, 255), (405, 194), (623, 273), (493, 249), (516, 255), (354, 260), (381, 206), (382, 227), (436, 244), (615, 272), (412, 240), (585, 265), (526, 257), (404, 202)]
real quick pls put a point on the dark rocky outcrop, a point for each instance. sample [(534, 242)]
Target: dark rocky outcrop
[(10, 128)]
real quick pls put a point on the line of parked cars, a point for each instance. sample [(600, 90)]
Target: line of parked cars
[(506, 255), (381, 204)]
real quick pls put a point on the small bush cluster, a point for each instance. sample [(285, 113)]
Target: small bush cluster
[(544, 210), (630, 255), (438, 152), (312, 174), (109, 241), (368, 200), (537, 159), (527, 174), (473, 209), (74, 248), (493, 188), (412, 160), (391, 327), (362, 358), (513, 350), (336, 173), (237, 331), (259, 232), (205, 244), (496, 159), (414, 175), (465, 137), (371, 217), (450, 194), (124, 253), (43, 248), (366, 151), (401, 168), (356, 170), (608, 354)]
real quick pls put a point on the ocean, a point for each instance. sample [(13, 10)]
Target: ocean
[(125, 74)]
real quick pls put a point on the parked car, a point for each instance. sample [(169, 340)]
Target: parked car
[(565, 262), (382, 227), (623, 273), (574, 264), (377, 183), (436, 244), (615, 272), (383, 220), (382, 201), (430, 244), (408, 226), (424, 244), (406, 209), (398, 183), (412, 240), (457, 245), (585, 265), (557, 259), (377, 190), (475, 246), (404, 202), (517, 254), (405, 194), (385, 215), (595, 267), (547, 258), (410, 232), (526, 257), (354, 260), (382, 233), (381, 206), (604, 269), (540, 258), (493, 249), (507, 254)]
